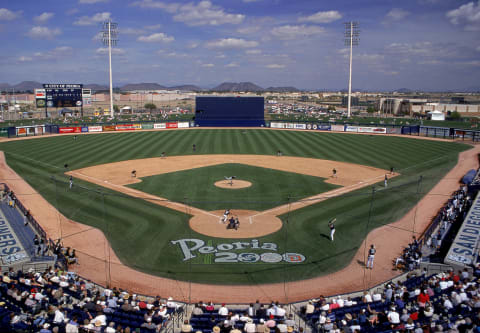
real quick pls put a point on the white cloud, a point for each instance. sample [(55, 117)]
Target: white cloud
[(92, 20), (232, 65), (25, 59), (296, 31), (231, 43), (322, 17), (38, 32), (220, 56), (104, 50), (467, 15), (170, 8), (8, 15), (98, 36), (208, 65), (155, 38), (204, 13), (275, 66), (248, 29), (253, 52), (396, 14), (89, 2), (54, 54), (194, 14), (43, 18)]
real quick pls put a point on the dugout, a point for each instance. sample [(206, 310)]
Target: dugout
[(229, 111)]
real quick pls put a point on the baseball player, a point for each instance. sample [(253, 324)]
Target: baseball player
[(134, 173), (225, 215), (371, 256), (334, 173), (70, 182), (386, 180), (194, 147), (331, 225)]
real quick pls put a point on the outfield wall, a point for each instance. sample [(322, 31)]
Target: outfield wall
[(411, 130)]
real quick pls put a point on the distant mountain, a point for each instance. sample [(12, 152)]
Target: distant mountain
[(142, 86), (186, 87), (96, 87), (282, 89), (241, 86), (27, 86), (5, 86), (404, 91)]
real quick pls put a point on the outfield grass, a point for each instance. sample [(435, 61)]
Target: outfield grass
[(269, 189), (140, 232)]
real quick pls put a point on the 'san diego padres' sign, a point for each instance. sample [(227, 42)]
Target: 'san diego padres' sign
[(192, 247)]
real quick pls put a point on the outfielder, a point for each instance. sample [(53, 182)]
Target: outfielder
[(331, 225), (70, 182)]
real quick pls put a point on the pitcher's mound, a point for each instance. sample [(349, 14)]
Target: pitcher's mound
[(237, 183), (252, 224)]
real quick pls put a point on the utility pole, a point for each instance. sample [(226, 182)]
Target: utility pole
[(351, 39), (110, 39)]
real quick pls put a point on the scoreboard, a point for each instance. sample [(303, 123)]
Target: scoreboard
[(63, 95)]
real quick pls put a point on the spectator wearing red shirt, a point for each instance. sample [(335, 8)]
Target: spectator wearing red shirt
[(423, 298)]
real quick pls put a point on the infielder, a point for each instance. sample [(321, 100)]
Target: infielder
[(331, 225), (371, 256), (386, 180), (334, 173)]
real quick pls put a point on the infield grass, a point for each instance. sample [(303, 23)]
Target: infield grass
[(141, 232), (269, 187)]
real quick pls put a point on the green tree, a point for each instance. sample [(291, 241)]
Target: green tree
[(116, 108), (150, 106), (331, 108), (455, 115), (371, 109)]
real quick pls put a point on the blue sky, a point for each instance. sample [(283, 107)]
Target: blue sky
[(416, 44)]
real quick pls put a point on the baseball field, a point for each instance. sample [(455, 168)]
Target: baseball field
[(166, 220)]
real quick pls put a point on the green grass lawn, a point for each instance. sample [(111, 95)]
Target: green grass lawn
[(141, 232), (270, 188)]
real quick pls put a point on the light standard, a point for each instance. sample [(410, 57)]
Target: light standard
[(351, 38), (109, 38)]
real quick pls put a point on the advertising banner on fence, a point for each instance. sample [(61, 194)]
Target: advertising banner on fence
[(324, 127), (351, 129), (109, 128), (338, 128), (289, 125), (84, 129), (94, 128), (464, 248), (21, 131), (39, 130), (394, 130), (147, 126), (300, 126), (183, 124), (160, 126), (172, 125), (128, 127), (379, 130), (76, 129), (277, 125)]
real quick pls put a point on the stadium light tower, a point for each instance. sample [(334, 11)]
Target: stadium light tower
[(352, 35), (109, 39)]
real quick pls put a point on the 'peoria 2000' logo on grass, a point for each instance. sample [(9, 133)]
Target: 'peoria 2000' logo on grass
[(251, 252)]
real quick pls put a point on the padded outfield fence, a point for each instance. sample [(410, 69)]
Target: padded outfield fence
[(367, 128)]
